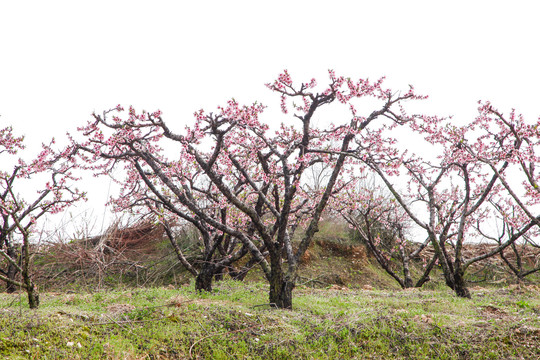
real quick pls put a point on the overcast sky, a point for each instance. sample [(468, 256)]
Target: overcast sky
[(62, 60)]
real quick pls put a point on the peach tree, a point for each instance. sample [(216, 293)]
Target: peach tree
[(51, 176), (252, 170)]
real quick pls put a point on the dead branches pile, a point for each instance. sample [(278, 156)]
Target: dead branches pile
[(121, 250)]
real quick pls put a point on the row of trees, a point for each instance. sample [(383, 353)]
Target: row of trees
[(245, 186)]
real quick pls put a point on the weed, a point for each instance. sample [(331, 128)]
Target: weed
[(522, 304)]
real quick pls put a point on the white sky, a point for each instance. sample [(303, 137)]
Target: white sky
[(62, 60)]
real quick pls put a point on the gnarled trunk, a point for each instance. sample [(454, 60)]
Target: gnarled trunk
[(203, 281), (281, 286), (11, 270), (459, 285), (281, 293)]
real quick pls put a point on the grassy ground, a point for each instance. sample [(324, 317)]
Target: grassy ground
[(234, 322), (128, 311)]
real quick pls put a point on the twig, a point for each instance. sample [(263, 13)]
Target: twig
[(120, 324), (202, 327)]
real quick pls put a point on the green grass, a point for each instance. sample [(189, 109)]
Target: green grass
[(234, 322)]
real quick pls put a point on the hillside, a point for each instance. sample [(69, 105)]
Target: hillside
[(140, 256), (127, 297)]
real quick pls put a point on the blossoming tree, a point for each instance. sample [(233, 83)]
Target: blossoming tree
[(456, 188), (509, 139), (384, 227), (252, 171), (19, 212), (173, 190)]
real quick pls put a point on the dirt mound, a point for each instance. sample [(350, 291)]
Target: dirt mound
[(355, 252)]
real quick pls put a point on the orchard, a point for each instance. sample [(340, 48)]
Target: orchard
[(245, 182)]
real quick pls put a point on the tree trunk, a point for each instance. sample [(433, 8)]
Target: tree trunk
[(459, 285), (281, 288), (11, 273), (33, 297), (281, 294), (408, 282), (203, 281), (425, 276), (11, 270), (407, 279)]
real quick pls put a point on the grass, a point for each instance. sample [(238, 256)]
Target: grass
[(122, 314), (234, 322)]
